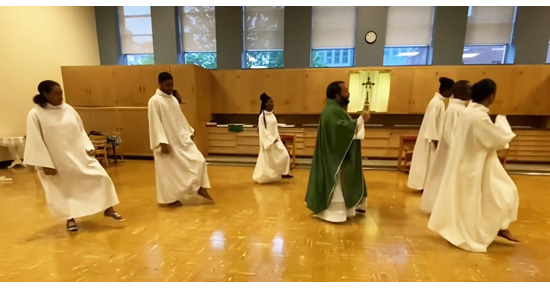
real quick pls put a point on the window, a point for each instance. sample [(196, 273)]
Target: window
[(333, 36), (263, 37), (488, 35), (548, 54), (405, 55), (136, 33), (408, 35), (198, 24)]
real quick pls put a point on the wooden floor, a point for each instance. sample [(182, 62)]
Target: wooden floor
[(257, 233)]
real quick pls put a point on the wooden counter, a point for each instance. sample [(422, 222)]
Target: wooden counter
[(528, 146)]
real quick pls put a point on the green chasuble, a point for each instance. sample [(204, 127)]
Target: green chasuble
[(335, 151)]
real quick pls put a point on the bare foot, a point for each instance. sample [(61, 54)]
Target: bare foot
[(176, 203), (204, 193), (506, 234)]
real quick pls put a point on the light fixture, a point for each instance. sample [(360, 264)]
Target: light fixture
[(469, 55), (408, 54)]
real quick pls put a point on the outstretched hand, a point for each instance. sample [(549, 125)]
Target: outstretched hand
[(49, 171), (366, 116), (164, 148)]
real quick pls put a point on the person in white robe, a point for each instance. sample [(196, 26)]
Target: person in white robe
[(273, 160), (74, 183), (180, 168), (429, 136), (457, 105), (477, 199)]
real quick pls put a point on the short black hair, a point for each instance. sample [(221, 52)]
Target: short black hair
[(483, 89), (333, 89), (163, 76), (445, 84), (460, 90)]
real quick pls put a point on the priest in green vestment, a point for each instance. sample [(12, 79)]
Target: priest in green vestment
[(336, 188)]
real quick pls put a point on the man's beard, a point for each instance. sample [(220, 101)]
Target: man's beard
[(344, 101)]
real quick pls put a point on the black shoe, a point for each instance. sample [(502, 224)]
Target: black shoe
[(287, 176), (71, 225), (359, 210), (115, 216)]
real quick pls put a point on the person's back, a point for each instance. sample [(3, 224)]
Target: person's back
[(477, 199), (428, 136)]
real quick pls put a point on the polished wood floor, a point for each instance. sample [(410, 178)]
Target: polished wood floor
[(257, 233)]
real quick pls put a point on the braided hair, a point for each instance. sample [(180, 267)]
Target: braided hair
[(264, 98)]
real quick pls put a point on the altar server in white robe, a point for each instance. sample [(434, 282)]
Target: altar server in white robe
[(477, 199), (429, 135), (74, 182), (273, 160), (457, 105), (180, 168)]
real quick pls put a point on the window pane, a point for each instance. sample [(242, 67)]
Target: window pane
[(333, 27), (548, 54), (484, 54), (405, 55), (264, 59), (137, 45), (137, 10), (325, 57), (136, 32), (409, 26), (207, 60), (490, 25), (143, 59), (264, 28), (199, 29), (139, 25)]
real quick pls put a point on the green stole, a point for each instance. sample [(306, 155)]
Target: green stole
[(335, 151)]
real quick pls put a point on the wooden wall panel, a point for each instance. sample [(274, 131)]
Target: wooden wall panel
[(203, 99), (520, 88), (99, 119), (89, 86), (134, 128), (401, 85)]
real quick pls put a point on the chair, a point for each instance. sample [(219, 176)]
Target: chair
[(290, 144), (502, 155), (100, 146), (116, 147), (406, 148)]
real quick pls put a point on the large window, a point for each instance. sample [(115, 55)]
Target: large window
[(263, 37), (198, 25), (408, 35), (488, 34), (136, 33), (333, 36)]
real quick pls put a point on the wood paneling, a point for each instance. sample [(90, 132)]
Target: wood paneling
[(528, 146), (114, 98), (89, 86), (521, 88), (134, 129)]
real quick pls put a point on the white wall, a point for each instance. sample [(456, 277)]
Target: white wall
[(34, 43)]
